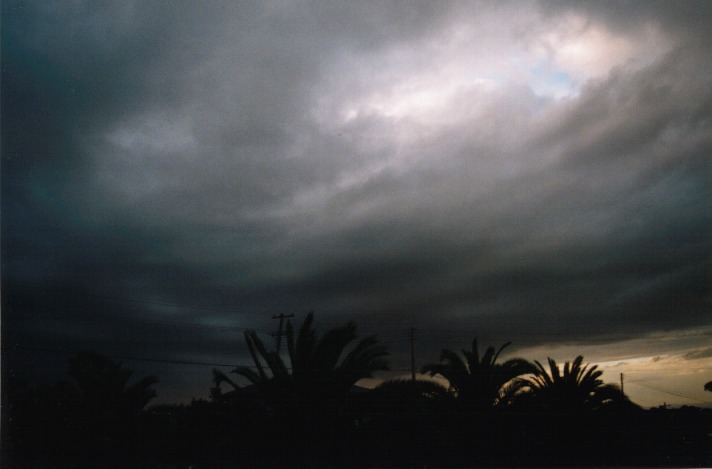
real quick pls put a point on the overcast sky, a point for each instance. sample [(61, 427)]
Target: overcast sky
[(540, 172)]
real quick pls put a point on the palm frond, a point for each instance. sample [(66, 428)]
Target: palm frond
[(487, 358), (219, 377), (433, 369), (510, 390), (496, 356), (541, 376), (304, 347), (272, 359), (331, 345), (247, 372), (475, 351), (367, 357), (512, 369), (141, 391), (454, 369), (250, 339), (368, 351), (554, 369)]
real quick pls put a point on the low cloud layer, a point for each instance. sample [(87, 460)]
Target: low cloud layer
[(536, 172)]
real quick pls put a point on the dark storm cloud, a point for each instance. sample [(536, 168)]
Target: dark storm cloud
[(688, 20), (267, 157)]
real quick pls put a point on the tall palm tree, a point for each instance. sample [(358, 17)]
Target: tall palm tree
[(577, 387), (321, 368), (480, 382), (304, 403), (580, 418)]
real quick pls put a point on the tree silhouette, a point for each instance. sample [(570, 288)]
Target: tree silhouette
[(308, 397), (576, 388), (320, 367), (108, 412), (577, 418), (103, 386), (484, 389), (407, 423), (480, 382), (93, 420)]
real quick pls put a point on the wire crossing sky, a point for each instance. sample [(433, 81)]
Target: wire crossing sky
[(537, 172)]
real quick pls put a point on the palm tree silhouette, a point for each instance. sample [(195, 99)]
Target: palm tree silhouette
[(103, 386), (576, 388), (320, 367), (484, 389), (577, 418), (481, 383), (93, 419), (306, 400)]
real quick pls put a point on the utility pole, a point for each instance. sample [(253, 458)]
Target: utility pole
[(622, 383), (279, 333), (412, 353)]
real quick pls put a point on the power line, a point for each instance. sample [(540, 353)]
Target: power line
[(158, 360), (120, 357), (670, 392)]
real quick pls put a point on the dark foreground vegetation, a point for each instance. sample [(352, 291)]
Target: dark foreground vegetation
[(307, 412)]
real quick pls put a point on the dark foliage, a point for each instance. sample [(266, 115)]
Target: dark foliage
[(96, 419), (560, 417), (481, 384), (310, 397)]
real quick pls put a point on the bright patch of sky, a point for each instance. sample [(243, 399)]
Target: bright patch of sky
[(553, 58), (546, 81), (409, 93), (659, 368)]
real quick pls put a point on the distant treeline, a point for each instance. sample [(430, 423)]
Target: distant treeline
[(308, 412)]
